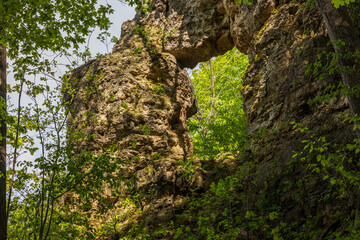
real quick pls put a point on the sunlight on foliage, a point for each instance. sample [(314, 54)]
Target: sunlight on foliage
[(220, 124), (338, 3)]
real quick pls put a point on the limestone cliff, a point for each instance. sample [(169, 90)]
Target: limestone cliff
[(139, 98)]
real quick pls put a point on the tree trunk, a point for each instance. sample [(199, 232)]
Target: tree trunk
[(3, 217), (340, 27)]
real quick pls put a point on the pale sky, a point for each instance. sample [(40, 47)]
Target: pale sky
[(122, 13)]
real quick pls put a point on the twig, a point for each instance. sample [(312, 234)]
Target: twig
[(15, 150)]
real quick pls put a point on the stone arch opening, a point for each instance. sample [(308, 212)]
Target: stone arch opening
[(219, 126)]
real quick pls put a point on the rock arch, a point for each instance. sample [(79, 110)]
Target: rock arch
[(143, 96)]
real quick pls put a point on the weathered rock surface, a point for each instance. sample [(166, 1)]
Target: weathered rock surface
[(138, 100), (139, 97), (191, 30), (277, 91)]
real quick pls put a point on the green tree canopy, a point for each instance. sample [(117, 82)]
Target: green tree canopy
[(220, 124), (29, 28)]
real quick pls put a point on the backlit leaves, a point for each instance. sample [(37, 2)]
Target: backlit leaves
[(338, 3)]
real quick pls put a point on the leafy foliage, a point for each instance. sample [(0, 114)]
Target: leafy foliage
[(36, 184), (338, 3), (220, 124), (53, 187), (326, 65), (141, 5), (56, 26), (249, 2)]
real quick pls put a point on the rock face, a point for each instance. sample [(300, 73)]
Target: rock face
[(191, 30), (139, 98), (277, 91), (136, 100)]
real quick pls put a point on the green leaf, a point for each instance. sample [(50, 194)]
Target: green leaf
[(332, 181), (178, 233), (338, 3)]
